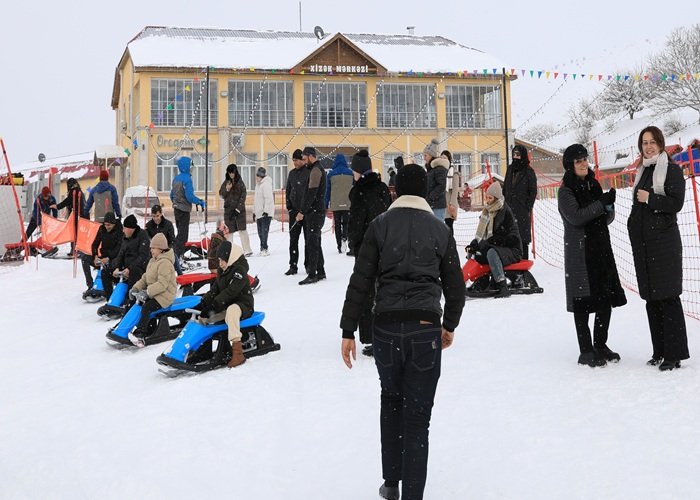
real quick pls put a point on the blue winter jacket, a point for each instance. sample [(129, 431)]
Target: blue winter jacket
[(340, 167), (182, 192), (101, 187), (43, 206)]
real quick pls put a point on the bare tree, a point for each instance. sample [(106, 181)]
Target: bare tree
[(627, 92), (539, 133), (678, 59), (583, 116)]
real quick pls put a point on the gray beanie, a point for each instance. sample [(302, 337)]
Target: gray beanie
[(495, 190), (432, 148)]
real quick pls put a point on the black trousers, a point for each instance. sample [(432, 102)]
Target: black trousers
[(182, 223), (526, 251), (600, 329), (31, 227), (295, 229), (340, 220), (408, 357), (313, 224), (669, 338), (146, 309), (88, 262)]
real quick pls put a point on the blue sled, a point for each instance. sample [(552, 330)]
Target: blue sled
[(200, 348), (97, 292), (159, 328), (115, 307)]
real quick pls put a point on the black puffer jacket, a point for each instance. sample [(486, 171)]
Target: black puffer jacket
[(108, 243), (297, 185), (505, 239), (134, 253), (231, 287), (234, 204), (166, 227), (655, 238), (520, 192), (369, 197), (437, 183), (412, 258)]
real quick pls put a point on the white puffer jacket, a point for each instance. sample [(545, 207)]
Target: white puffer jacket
[(264, 198)]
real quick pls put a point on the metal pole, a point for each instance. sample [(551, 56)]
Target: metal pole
[(595, 158), (20, 218), (505, 114), (695, 188), (300, 17), (206, 156)]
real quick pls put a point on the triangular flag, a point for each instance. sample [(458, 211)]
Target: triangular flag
[(574, 76), (169, 106), (627, 77), (546, 75), (565, 75), (196, 79), (663, 77), (590, 77), (128, 153), (583, 76), (178, 97), (556, 75), (187, 88), (512, 71), (151, 125), (485, 71), (522, 71), (539, 74), (636, 78), (600, 77), (646, 77), (609, 77), (532, 73), (495, 70)]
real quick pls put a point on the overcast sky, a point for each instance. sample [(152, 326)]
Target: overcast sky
[(58, 58)]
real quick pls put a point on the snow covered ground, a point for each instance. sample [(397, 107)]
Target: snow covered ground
[(515, 416)]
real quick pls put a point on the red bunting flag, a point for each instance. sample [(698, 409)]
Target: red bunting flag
[(56, 231)]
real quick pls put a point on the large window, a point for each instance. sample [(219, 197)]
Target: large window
[(473, 106), (402, 105), (462, 162), (336, 104), (494, 162), (166, 170), (176, 103), (277, 168), (247, 168), (271, 104)]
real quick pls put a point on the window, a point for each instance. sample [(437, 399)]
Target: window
[(337, 104), (247, 168), (418, 159), (387, 163), (166, 170), (494, 161), (273, 108), (402, 105), (473, 106), (277, 168), (176, 103), (463, 162)]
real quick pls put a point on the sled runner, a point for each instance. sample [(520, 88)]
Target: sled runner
[(518, 277)]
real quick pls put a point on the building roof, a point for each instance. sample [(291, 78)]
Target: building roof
[(78, 166), (173, 47)]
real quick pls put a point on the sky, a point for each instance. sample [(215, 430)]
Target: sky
[(58, 65)]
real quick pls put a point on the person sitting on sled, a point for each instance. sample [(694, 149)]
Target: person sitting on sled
[(230, 295), (159, 283), (133, 255), (497, 240), (105, 248)]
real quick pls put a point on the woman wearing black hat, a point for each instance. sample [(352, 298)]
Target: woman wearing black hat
[(74, 202), (233, 190), (592, 282), (659, 193)]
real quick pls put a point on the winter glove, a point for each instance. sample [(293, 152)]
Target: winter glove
[(608, 198), (203, 204), (132, 293), (141, 296), (473, 247), (264, 214)]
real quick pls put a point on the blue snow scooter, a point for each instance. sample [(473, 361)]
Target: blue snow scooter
[(115, 306), (97, 291), (203, 347), (159, 327)]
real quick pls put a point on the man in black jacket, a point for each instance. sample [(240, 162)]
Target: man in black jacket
[(105, 248), (411, 258), (297, 182), (133, 256), (313, 214), (520, 191), (159, 224)]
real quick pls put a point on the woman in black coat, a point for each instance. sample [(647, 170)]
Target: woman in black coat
[(234, 192), (659, 193), (592, 281), (497, 242), (520, 191)]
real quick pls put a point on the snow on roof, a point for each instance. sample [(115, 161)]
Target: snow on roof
[(77, 166), (226, 48)]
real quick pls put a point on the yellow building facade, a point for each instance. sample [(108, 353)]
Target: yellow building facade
[(270, 93)]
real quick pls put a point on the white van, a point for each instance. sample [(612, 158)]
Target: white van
[(138, 201)]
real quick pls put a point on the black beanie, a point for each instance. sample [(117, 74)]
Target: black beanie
[(224, 250), (110, 218), (361, 162), (573, 152), (131, 222), (412, 180), (524, 158)]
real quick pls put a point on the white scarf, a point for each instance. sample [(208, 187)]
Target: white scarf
[(659, 177)]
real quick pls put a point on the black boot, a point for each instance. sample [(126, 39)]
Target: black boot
[(389, 492), (608, 354), (292, 270), (655, 361), (591, 359), (503, 290), (310, 279), (669, 365)]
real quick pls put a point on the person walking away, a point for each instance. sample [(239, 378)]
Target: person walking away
[(105, 198), (263, 208), (234, 192), (411, 274), (497, 240), (592, 281), (230, 295), (657, 249), (182, 197), (437, 178), (297, 183), (313, 213), (369, 198), (520, 190), (338, 185)]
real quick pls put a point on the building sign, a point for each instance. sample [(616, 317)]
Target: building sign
[(338, 68), (179, 143)]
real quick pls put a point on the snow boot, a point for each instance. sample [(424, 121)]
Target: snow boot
[(591, 359), (137, 337), (609, 355), (389, 492), (503, 290), (655, 361), (237, 357), (292, 270), (310, 279), (669, 365)]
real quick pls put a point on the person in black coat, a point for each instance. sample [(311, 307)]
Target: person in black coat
[(520, 191), (297, 183), (133, 257), (410, 257), (159, 224), (74, 202), (105, 248), (592, 281), (313, 214), (497, 241), (659, 193)]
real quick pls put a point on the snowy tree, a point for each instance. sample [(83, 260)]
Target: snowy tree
[(627, 92), (583, 116), (677, 65), (539, 133)]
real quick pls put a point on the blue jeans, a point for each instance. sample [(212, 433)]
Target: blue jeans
[(496, 265), (408, 357), (439, 213), (263, 230)]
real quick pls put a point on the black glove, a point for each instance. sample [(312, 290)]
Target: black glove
[(473, 247), (264, 214), (608, 198)]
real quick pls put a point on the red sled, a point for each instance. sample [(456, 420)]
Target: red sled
[(518, 277), (198, 248), (192, 282)]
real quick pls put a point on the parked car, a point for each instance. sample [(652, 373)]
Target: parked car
[(138, 201)]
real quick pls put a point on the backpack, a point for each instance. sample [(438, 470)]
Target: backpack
[(103, 204)]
